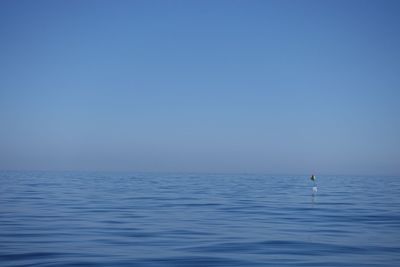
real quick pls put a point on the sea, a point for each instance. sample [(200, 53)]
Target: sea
[(165, 219)]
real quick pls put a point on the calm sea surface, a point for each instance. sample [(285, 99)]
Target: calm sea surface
[(121, 219)]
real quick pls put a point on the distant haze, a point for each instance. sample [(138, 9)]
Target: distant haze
[(201, 86)]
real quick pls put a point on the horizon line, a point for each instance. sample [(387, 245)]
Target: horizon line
[(200, 172)]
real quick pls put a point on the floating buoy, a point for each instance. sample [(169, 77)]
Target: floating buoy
[(314, 189)]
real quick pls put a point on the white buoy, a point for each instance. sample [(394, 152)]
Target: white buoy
[(314, 189)]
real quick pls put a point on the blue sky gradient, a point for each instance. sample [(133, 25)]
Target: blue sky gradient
[(208, 86)]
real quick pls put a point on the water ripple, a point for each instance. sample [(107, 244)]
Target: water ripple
[(114, 219)]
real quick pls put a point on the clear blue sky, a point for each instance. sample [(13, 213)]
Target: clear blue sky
[(213, 86)]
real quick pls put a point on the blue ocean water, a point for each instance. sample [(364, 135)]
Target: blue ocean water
[(125, 219)]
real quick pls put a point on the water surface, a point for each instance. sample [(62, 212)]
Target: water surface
[(127, 219)]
